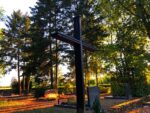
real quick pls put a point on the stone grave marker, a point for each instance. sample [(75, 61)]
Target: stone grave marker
[(93, 93), (128, 91)]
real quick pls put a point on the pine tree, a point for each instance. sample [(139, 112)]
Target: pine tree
[(12, 53), (47, 18)]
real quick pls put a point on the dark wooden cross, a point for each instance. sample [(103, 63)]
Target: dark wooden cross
[(79, 45)]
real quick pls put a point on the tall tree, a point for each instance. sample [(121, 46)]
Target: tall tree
[(47, 17), (12, 53), (125, 50)]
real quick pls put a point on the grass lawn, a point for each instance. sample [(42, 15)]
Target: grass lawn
[(5, 87), (10, 103), (46, 110)]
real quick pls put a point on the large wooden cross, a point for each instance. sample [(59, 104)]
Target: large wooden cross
[(79, 45)]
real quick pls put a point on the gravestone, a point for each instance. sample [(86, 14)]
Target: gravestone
[(93, 93)]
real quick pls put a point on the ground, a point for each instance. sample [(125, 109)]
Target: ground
[(31, 105)]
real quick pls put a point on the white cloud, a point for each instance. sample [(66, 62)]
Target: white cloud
[(12, 5)]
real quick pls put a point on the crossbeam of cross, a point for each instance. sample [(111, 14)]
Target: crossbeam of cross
[(71, 40), (79, 45)]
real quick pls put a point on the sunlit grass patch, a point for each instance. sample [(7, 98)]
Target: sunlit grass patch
[(10, 103), (5, 87)]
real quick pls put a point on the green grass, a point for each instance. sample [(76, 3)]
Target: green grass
[(4, 87), (48, 110), (10, 103)]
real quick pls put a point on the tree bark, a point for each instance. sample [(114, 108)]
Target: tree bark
[(23, 80), (18, 71), (28, 84), (96, 77), (51, 65), (56, 80)]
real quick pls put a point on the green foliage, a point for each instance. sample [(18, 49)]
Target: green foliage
[(14, 86), (124, 54), (39, 92), (117, 89), (138, 85), (66, 89), (91, 82), (1, 13), (104, 89)]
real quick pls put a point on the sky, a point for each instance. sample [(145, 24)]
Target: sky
[(13, 5), (9, 6)]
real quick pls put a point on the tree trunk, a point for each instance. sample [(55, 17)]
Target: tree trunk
[(96, 77), (27, 84), (56, 80), (18, 70), (23, 80), (86, 67), (51, 65)]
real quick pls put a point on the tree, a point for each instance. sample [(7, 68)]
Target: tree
[(2, 65), (12, 53), (47, 17), (1, 13), (126, 49)]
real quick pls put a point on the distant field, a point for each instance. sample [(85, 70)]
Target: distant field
[(5, 87)]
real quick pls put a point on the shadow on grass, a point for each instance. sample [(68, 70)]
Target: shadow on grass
[(46, 110)]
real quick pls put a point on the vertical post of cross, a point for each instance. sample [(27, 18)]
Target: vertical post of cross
[(79, 66)]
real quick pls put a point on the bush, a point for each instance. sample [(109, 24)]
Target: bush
[(104, 89), (66, 89), (39, 92), (138, 86), (117, 89), (14, 86)]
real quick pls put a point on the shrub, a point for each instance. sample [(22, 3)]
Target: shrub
[(14, 86), (39, 92), (138, 86), (104, 89), (117, 89)]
